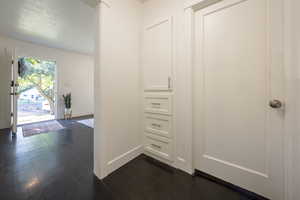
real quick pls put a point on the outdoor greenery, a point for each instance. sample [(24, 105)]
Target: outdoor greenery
[(68, 100), (40, 75)]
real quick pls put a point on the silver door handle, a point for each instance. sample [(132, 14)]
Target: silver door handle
[(275, 104)]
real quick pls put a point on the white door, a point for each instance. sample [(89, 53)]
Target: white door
[(157, 56), (14, 90), (237, 72), (5, 79)]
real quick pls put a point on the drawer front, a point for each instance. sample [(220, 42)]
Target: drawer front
[(158, 124), (159, 146), (161, 104)]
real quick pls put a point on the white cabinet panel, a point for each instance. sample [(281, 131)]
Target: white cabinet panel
[(158, 124), (157, 56), (159, 146), (158, 103)]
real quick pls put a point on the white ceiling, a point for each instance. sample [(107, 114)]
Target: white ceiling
[(65, 24)]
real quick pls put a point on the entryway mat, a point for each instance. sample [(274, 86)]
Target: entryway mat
[(39, 128)]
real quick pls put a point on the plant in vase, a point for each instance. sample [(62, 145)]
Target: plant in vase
[(68, 104)]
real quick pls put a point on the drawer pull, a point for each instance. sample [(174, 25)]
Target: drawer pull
[(156, 146), (156, 125), (155, 104)]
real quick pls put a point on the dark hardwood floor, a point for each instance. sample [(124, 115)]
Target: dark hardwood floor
[(59, 166), (146, 179), (56, 166)]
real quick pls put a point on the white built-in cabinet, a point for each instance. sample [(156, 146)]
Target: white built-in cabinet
[(158, 126), (158, 91), (157, 59)]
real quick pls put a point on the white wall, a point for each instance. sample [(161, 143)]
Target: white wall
[(117, 86), (75, 73)]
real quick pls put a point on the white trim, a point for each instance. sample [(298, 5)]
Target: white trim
[(183, 165), (107, 4), (192, 3), (288, 136), (56, 92), (235, 166), (161, 159), (189, 21), (200, 3), (158, 22), (123, 159)]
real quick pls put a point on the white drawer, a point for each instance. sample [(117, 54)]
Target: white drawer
[(159, 146), (158, 103), (158, 124)]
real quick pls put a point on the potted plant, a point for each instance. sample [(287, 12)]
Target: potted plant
[(68, 104)]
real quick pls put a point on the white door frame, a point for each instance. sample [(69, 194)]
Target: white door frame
[(56, 83), (189, 11)]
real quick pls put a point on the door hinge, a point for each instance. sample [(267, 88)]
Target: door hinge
[(11, 114), (12, 83), (12, 62)]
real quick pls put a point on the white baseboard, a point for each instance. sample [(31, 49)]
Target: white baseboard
[(4, 124), (123, 159), (179, 163), (183, 165)]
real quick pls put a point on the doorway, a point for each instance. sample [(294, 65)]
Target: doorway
[(36, 99)]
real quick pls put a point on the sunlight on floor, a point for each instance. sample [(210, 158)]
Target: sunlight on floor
[(87, 122), (34, 118)]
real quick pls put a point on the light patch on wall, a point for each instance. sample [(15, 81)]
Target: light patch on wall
[(36, 20)]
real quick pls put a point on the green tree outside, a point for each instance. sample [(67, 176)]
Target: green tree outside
[(40, 75)]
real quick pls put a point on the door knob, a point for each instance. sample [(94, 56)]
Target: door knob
[(275, 104)]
